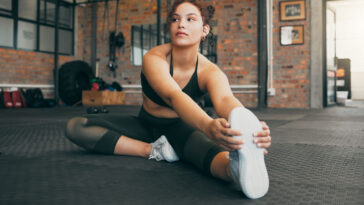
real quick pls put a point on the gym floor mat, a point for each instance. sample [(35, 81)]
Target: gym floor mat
[(316, 157)]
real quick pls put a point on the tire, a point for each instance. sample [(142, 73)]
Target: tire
[(74, 77)]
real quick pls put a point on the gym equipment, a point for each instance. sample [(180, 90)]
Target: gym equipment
[(74, 77), (34, 98), (16, 97), (116, 86), (2, 99), (115, 41), (98, 84), (95, 110), (7, 99)]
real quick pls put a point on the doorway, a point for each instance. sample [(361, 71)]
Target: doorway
[(345, 48)]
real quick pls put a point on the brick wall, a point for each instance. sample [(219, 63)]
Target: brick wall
[(36, 68), (26, 67), (237, 51), (237, 45), (291, 66), (237, 42)]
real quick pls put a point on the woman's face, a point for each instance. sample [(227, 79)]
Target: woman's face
[(187, 26)]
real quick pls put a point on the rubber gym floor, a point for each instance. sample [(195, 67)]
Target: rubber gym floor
[(317, 157)]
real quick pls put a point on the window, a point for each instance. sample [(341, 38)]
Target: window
[(5, 7), (30, 25), (27, 9), (144, 37), (208, 48), (27, 33), (46, 34), (6, 35)]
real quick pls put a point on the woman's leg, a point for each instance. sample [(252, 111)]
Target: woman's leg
[(195, 147), (132, 147), (104, 139), (111, 135), (220, 166)]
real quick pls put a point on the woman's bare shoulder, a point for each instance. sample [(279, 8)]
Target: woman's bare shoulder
[(156, 58), (207, 66), (161, 50)]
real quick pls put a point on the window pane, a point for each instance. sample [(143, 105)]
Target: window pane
[(27, 33), (6, 32), (51, 12), (46, 38), (28, 9), (154, 35), (5, 4), (65, 41), (42, 11), (136, 49), (136, 37), (145, 39), (65, 16), (137, 56)]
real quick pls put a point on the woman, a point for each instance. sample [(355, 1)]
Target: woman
[(174, 77)]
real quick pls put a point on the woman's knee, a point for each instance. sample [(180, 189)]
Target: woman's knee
[(74, 126), (87, 136)]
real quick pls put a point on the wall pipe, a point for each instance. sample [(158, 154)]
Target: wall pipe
[(158, 22), (270, 45), (262, 54), (56, 55), (93, 37)]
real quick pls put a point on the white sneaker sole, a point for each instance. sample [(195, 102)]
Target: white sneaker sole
[(252, 174)]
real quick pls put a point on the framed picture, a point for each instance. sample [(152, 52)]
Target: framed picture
[(291, 35), (292, 10)]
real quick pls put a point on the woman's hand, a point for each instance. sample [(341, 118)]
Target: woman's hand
[(219, 131), (263, 138)]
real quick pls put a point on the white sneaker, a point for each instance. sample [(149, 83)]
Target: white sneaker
[(162, 150), (247, 164)]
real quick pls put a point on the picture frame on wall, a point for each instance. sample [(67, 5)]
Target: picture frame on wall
[(291, 35), (292, 10)]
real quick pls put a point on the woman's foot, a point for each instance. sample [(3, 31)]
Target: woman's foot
[(247, 164), (162, 150)]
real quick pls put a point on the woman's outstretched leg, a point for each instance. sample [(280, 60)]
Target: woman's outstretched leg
[(220, 166)]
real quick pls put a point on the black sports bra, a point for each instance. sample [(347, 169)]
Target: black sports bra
[(192, 89)]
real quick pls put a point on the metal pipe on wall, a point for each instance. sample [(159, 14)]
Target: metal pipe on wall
[(271, 90), (262, 54), (93, 36), (56, 54), (158, 22)]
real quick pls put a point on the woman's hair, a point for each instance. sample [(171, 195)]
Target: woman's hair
[(206, 12)]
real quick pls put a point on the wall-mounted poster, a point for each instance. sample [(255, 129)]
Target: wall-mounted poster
[(292, 10), (291, 35)]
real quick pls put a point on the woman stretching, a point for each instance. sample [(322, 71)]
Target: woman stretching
[(171, 126)]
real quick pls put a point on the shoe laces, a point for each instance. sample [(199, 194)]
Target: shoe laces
[(156, 150)]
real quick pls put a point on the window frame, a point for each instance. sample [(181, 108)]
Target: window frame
[(14, 15)]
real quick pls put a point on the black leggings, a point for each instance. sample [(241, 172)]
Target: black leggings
[(100, 133)]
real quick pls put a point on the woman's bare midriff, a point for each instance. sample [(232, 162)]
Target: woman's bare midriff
[(157, 110)]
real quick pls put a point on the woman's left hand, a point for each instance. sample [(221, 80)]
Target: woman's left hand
[(263, 138)]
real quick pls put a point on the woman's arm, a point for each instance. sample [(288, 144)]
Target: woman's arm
[(224, 102), (220, 92)]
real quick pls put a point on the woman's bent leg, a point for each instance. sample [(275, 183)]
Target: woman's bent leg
[(103, 140), (132, 147)]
